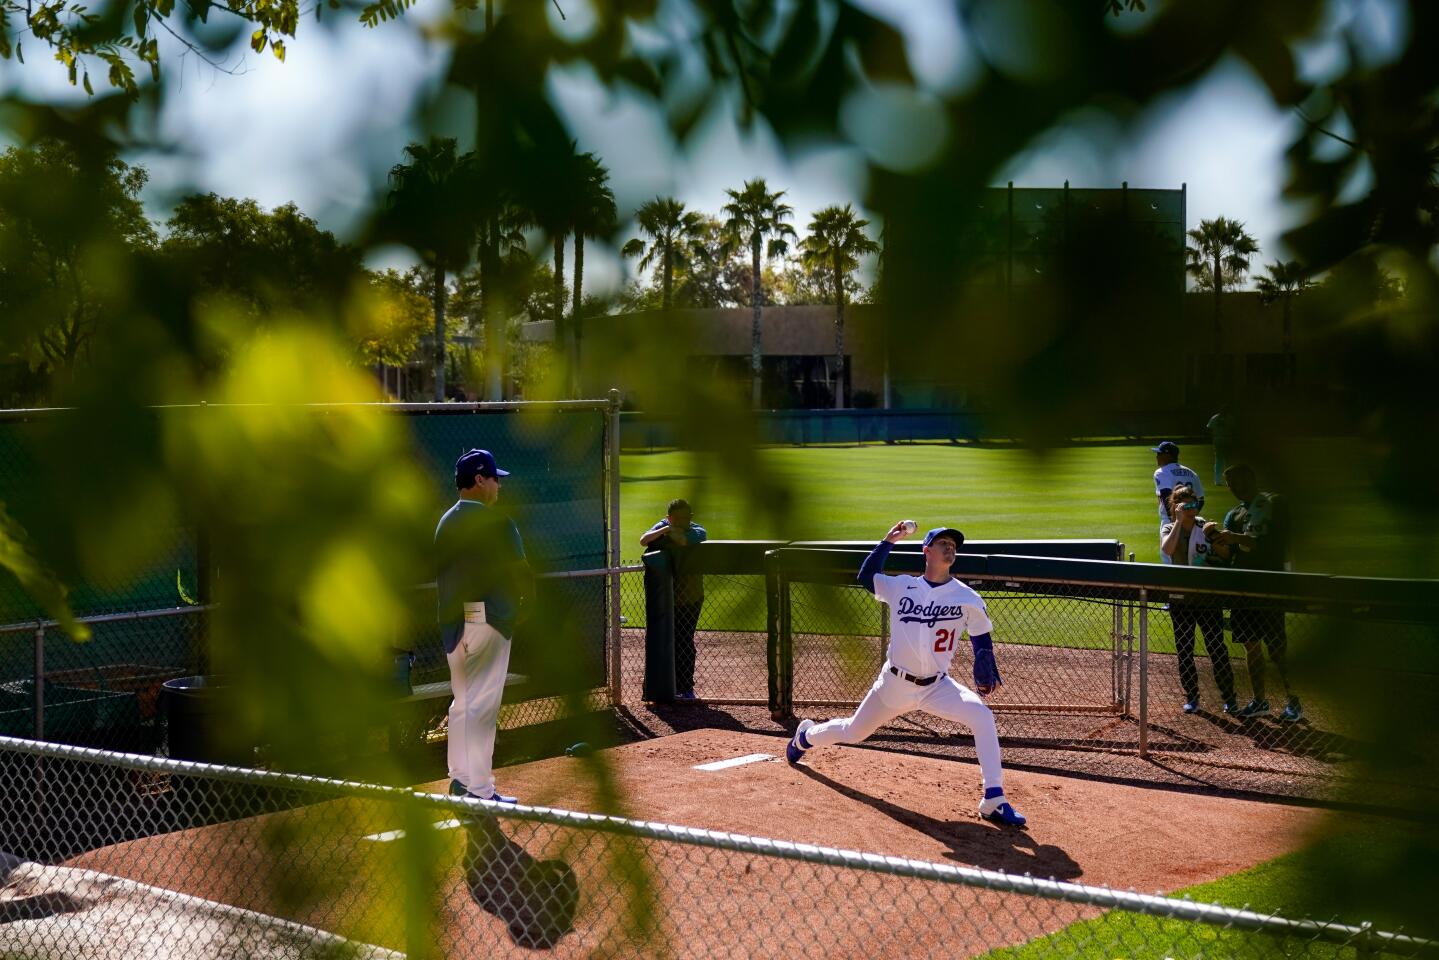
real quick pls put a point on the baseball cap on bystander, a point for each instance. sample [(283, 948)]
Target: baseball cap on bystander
[(476, 463)]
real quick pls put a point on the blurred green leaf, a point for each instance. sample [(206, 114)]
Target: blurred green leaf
[(37, 581)]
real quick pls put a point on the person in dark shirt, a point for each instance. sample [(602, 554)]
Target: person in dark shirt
[(677, 534), (1257, 530), (483, 580)]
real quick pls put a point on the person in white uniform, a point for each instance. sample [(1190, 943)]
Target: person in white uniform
[(927, 615), (1170, 473)]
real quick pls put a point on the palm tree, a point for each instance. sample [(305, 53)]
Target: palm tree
[(431, 209), (1219, 256), (752, 216), (673, 233), (593, 215), (550, 204), (835, 243), (567, 193), (1287, 279), (501, 237)]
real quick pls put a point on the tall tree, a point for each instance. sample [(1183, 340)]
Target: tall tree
[(262, 260), (432, 209), (1219, 255), (835, 243), (593, 215), (542, 180), (752, 216), (394, 313), (57, 208), (673, 235), (503, 238), (1287, 279)]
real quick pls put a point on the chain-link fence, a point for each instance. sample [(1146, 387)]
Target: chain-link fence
[(150, 629), (120, 856), (1202, 689)]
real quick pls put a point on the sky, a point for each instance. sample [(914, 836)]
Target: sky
[(323, 128)]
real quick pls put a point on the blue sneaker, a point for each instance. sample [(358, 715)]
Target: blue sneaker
[(458, 789), (998, 810), (794, 750), (687, 697), (1254, 708)]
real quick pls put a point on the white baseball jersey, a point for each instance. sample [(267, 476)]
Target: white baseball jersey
[(925, 622), (1168, 477)]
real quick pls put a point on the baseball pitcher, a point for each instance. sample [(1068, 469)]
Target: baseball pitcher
[(927, 615)]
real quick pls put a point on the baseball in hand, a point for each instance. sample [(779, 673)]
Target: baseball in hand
[(909, 526)]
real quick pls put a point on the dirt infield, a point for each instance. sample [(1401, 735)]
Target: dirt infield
[(311, 865), (1262, 756)]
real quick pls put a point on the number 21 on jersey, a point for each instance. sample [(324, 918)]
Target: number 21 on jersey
[(943, 640)]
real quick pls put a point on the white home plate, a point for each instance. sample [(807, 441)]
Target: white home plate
[(389, 835), (735, 761)]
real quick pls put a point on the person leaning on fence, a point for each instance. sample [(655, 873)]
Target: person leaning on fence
[(1184, 542), (676, 534), (1258, 531), (484, 583)]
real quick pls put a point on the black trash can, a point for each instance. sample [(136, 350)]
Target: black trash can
[(194, 711)]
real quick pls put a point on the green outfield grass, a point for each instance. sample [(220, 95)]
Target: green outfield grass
[(1006, 493), (1001, 493), (1300, 884)]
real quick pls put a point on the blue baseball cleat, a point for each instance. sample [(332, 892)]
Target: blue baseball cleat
[(457, 789), (794, 750), (996, 809), (1006, 816)]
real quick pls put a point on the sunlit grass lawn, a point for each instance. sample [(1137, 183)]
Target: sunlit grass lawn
[(1006, 493), (1301, 884), (1104, 492)]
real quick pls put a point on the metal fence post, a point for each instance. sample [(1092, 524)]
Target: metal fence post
[(1364, 948), (1129, 657), (613, 471), (1143, 674), (1116, 656), (39, 680)]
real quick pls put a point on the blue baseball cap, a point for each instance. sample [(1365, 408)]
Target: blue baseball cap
[(1168, 446), (476, 463), (943, 531)]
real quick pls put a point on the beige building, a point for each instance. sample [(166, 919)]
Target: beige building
[(799, 358)]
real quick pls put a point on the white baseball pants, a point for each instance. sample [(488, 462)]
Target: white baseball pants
[(893, 696), (478, 667)]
